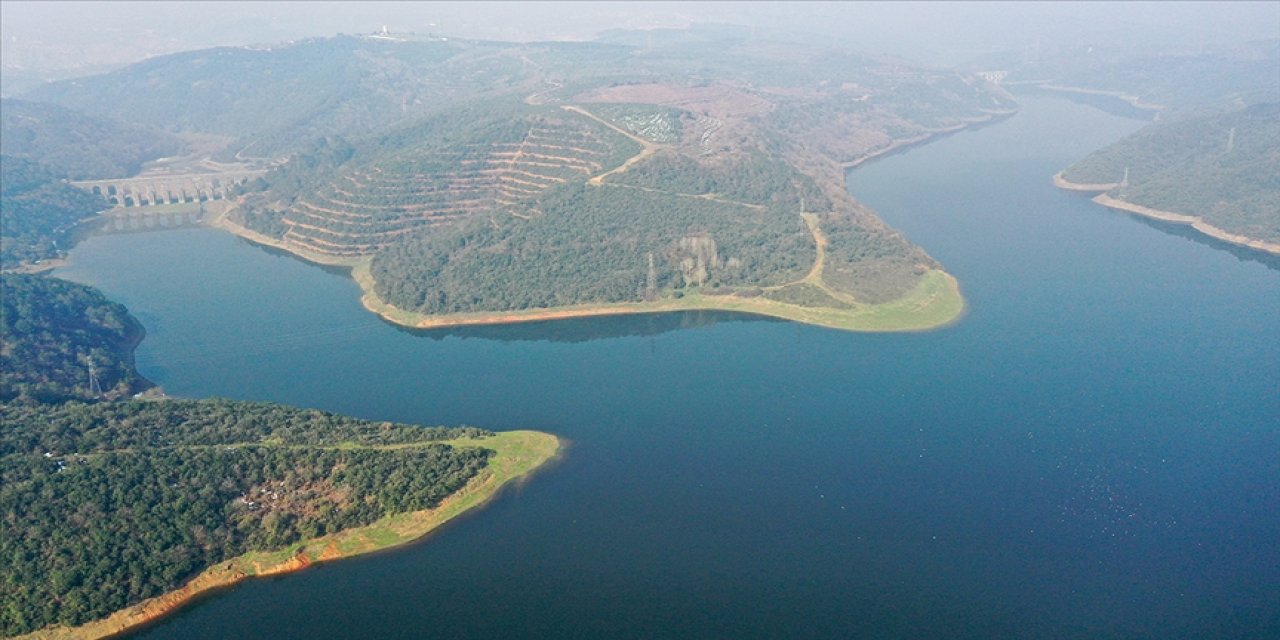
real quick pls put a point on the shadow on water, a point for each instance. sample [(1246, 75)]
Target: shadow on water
[(281, 253), (122, 224), (573, 330), (1243, 254)]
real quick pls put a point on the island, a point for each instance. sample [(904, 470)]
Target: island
[(122, 505)]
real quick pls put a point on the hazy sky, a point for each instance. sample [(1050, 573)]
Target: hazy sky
[(58, 39)]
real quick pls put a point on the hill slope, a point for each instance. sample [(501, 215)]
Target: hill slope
[(274, 100), (1224, 169), (487, 177), (76, 145), (458, 166), (36, 209), (1173, 80), (54, 332)]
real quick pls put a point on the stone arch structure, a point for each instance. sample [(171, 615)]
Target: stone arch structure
[(168, 189)]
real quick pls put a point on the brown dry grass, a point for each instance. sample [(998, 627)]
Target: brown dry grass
[(716, 100)]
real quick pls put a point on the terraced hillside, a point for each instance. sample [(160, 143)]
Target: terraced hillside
[(500, 168), (495, 178), (629, 194)]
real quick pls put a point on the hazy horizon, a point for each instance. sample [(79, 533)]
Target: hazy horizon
[(805, 320), (53, 40)]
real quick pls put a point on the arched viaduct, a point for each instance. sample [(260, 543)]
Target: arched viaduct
[(168, 189)]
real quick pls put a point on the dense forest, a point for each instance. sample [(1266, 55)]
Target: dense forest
[(56, 334), (594, 244), (106, 503), (1223, 168), (754, 178), (36, 210), (78, 146), (475, 176)]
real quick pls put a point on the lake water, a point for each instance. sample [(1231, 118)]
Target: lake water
[(1092, 452)]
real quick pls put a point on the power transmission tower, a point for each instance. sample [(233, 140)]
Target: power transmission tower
[(95, 387), (651, 284)]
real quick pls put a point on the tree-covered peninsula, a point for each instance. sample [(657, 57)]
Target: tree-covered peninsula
[(117, 511), (481, 182)]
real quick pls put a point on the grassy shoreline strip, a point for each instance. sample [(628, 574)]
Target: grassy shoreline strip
[(935, 302), (519, 454)]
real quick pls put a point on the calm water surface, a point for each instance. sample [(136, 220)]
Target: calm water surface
[(1091, 453)]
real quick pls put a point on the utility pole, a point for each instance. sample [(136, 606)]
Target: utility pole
[(1231, 140)]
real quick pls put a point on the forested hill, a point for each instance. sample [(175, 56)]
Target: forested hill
[(76, 145), (469, 174), (57, 335), (691, 185), (277, 100), (105, 504), (42, 146), (1174, 80), (1222, 168), (36, 209), (273, 98)]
